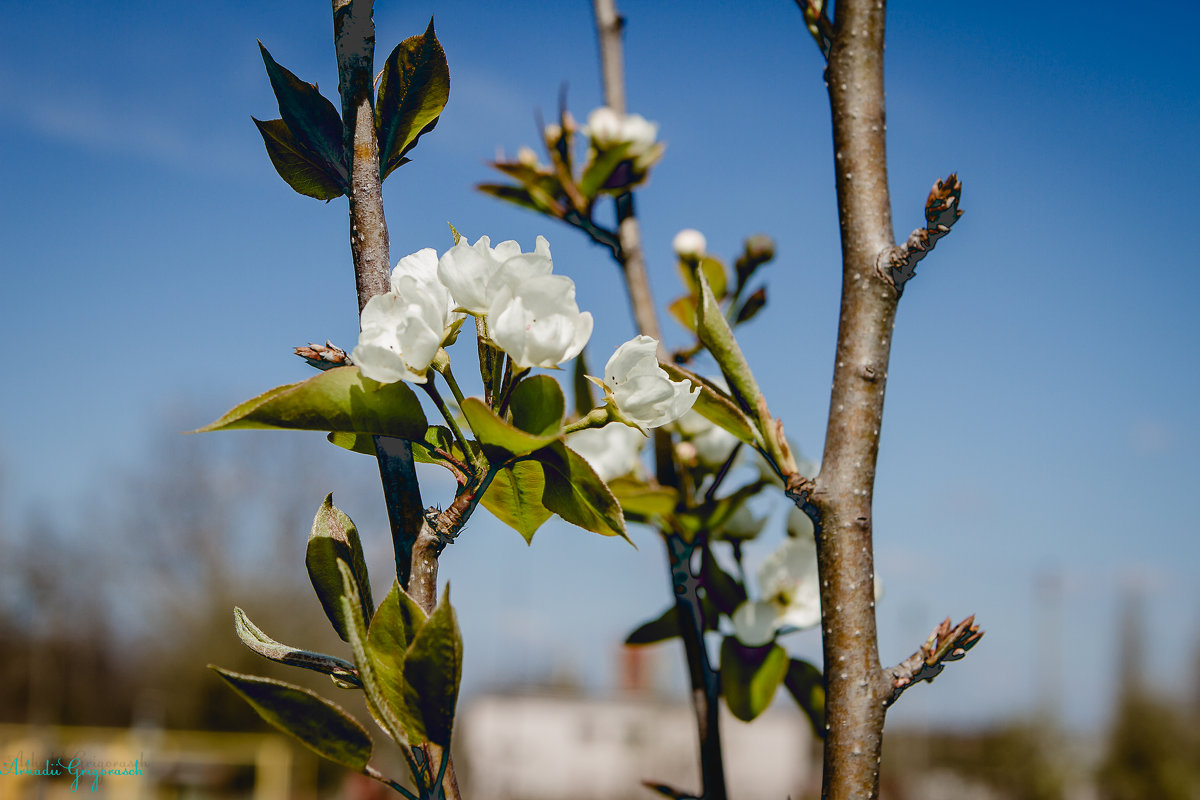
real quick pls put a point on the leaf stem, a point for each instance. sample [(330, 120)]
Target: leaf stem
[(448, 415), (371, 772)]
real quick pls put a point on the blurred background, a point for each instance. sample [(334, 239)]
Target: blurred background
[(1036, 464)]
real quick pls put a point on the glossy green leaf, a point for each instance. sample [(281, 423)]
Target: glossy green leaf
[(576, 493), (312, 120), (807, 686), (538, 405), (713, 271), (725, 592), (392, 631), (322, 726), (750, 676), (339, 399), (493, 431), (303, 169), (600, 169), (334, 538), (253, 637), (581, 387), (515, 497), (637, 498), (717, 407), (433, 671), (413, 90)]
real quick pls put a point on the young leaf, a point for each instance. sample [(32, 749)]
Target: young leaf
[(433, 671), (666, 625), (636, 497), (600, 169), (581, 387), (413, 90), (491, 430), (750, 676), (322, 726), (515, 498), (311, 119), (303, 169), (334, 538), (253, 637), (538, 405), (339, 399), (725, 592), (716, 407), (683, 310), (806, 684), (716, 335), (576, 493), (392, 631)]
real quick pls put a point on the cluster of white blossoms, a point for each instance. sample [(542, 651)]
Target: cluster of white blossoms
[(531, 313), (609, 129)]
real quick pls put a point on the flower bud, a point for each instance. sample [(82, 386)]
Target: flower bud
[(689, 244)]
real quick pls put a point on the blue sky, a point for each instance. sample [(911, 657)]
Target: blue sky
[(1040, 411)]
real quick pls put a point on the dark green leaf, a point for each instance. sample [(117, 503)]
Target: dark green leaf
[(311, 119), (581, 387), (334, 538), (515, 497), (600, 168), (725, 592), (717, 407), (339, 399), (253, 637), (413, 90), (517, 195), (750, 676), (576, 493), (433, 671), (659, 629), (392, 631), (303, 169), (806, 684), (754, 304), (322, 726), (491, 430), (537, 406)]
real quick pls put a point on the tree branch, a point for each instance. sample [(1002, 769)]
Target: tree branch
[(705, 683), (946, 643), (415, 544)]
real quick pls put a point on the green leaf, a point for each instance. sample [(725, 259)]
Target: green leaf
[(339, 399), (725, 592), (581, 387), (600, 169), (491, 430), (806, 684), (717, 407), (311, 119), (322, 726), (754, 304), (716, 335), (413, 90), (537, 406), (392, 631), (356, 626), (750, 676), (575, 492), (515, 497), (666, 625), (253, 637), (516, 195), (334, 538), (637, 498), (713, 272), (433, 671), (303, 169)]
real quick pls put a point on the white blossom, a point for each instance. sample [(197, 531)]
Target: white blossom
[(399, 338), (415, 278), (608, 129), (689, 243), (791, 594), (535, 319), (467, 270), (641, 389), (613, 451), (754, 623), (711, 443)]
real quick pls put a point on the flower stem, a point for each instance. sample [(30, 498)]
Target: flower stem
[(436, 396), (596, 418)]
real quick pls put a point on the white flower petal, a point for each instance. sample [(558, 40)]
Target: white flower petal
[(641, 388), (537, 321), (613, 451), (754, 623)]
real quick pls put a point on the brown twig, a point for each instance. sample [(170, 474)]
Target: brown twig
[(899, 264), (946, 643)]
